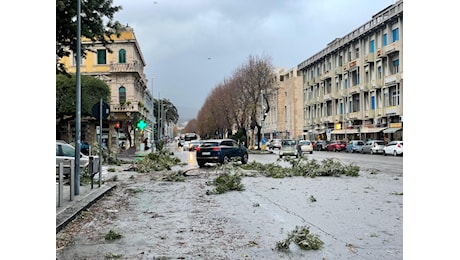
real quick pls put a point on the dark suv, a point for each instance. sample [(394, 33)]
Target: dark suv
[(320, 145), (220, 151)]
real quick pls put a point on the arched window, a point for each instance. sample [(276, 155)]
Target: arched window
[(122, 56), (122, 95)]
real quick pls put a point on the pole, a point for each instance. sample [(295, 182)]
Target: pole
[(158, 117), (153, 119), (78, 105), (100, 141)]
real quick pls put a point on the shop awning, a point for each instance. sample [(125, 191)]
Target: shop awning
[(367, 130), (391, 130), (344, 131)]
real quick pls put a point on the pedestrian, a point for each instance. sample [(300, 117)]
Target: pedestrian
[(146, 141)]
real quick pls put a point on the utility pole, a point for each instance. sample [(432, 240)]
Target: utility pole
[(153, 119), (78, 105)]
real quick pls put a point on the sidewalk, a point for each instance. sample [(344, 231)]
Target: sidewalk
[(70, 209)]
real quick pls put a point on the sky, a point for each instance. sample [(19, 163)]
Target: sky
[(191, 46)]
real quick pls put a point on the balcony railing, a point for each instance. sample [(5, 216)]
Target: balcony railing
[(126, 67)]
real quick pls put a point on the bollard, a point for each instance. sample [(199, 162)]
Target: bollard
[(72, 179), (61, 184)]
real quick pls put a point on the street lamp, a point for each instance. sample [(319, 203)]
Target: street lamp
[(153, 118)]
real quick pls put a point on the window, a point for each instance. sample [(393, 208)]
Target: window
[(396, 35), (395, 97), (101, 57), (122, 56), (385, 40), (395, 66), (340, 60), (372, 46), (379, 72), (373, 103), (122, 95), (357, 53)]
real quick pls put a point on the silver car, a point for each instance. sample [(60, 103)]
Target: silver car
[(288, 148), (373, 147), (64, 153)]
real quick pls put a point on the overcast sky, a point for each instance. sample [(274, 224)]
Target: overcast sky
[(190, 46)]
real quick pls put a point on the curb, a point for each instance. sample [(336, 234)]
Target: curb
[(70, 213)]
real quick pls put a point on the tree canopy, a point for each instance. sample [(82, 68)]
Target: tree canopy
[(92, 90), (96, 24)]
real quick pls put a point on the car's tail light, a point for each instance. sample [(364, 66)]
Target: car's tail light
[(399, 145), (216, 148), (198, 149)]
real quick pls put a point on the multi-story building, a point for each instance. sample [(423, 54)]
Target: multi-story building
[(353, 89), (288, 102), (122, 69)]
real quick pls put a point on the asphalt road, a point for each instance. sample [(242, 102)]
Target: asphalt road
[(356, 217)]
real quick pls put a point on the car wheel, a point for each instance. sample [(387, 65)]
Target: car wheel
[(311, 152), (384, 153), (394, 153), (201, 163), (244, 159), (226, 159)]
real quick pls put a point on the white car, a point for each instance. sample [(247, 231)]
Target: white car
[(64, 153), (305, 146), (394, 147)]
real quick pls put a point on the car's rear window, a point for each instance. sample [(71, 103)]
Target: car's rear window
[(380, 143), (289, 142), (209, 144)]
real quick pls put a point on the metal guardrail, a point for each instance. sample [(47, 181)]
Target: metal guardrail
[(94, 168), (61, 182)]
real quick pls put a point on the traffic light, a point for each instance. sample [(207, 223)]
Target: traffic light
[(141, 124)]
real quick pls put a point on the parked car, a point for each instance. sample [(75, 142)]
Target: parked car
[(304, 146), (336, 146), (373, 146), (321, 145), (192, 145), (354, 146), (288, 148), (220, 151), (84, 147), (64, 153), (394, 147), (275, 143)]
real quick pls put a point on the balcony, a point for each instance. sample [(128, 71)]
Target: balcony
[(393, 110), (369, 58), (126, 68), (338, 71), (354, 89), (326, 75), (393, 47), (327, 97), (377, 83), (392, 79), (354, 64)]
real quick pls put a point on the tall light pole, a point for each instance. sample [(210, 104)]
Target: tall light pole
[(152, 139), (78, 105)]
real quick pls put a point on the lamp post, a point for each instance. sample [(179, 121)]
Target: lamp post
[(152, 139)]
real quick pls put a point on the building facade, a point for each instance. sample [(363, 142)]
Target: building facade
[(122, 69), (353, 89)]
